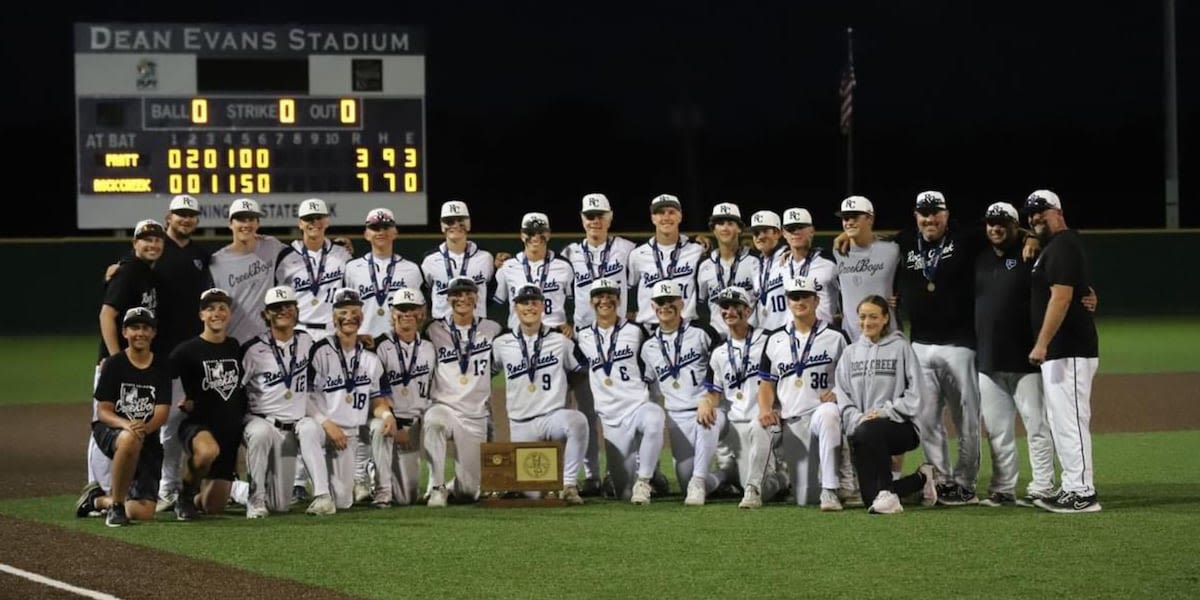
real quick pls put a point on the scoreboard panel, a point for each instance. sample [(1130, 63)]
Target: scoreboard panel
[(278, 113)]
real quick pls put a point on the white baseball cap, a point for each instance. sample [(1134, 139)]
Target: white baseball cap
[(764, 218), (664, 200), (534, 222), (796, 216), (930, 201), (279, 295), (604, 284), (803, 283), (407, 296), (734, 294), (243, 206), (455, 209), (1000, 211), (855, 205), (595, 203), (1041, 200), (381, 217), (666, 289), (312, 206), (184, 203), (726, 211), (148, 228)]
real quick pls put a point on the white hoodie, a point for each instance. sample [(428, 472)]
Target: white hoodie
[(884, 376)]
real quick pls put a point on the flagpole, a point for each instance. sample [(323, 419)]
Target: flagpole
[(1171, 108), (850, 122)]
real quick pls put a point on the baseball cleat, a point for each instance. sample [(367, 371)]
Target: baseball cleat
[(641, 492), (850, 498), (362, 492), (86, 505), (752, 498), (997, 499), (695, 492), (1070, 503), (886, 503), (1032, 496), (591, 487), (830, 502), (929, 490), (438, 497), (299, 494), (185, 507), (116, 515), (953, 494), (570, 495), (659, 485), (166, 502), (322, 506), (257, 510)]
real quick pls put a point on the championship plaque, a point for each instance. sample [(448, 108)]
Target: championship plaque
[(508, 467)]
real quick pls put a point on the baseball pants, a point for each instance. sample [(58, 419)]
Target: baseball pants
[(820, 430), (442, 425), (362, 464), (1067, 383), (563, 425), (1003, 395), (398, 469), (693, 446), (99, 466), (755, 451), (632, 447), (873, 444), (172, 445), (584, 403), (271, 453), (950, 375), (339, 465)]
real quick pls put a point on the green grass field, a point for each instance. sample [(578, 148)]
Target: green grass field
[(1142, 545)]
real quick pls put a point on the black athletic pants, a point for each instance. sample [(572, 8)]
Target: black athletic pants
[(872, 446)]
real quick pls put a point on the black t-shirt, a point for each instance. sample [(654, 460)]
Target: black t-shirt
[(1063, 263), (1001, 309), (182, 275), (946, 315), (134, 391), (132, 285), (211, 375)]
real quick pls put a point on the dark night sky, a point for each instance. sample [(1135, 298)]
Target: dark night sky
[(534, 107)]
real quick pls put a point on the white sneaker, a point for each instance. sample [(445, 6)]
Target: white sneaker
[(239, 492), (438, 497), (886, 503), (695, 492), (641, 492), (929, 495), (322, 506), (570, 495), (166, 502), (752, 498), (830, 502), (257, 510), (362, 492)]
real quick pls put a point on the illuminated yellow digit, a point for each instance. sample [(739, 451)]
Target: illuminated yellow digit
[(210, 158), (245, 158), (264, 183), (391, 181), (349, 110), (214, 184), (199, 111), (193, 183), (287, 111), (174, 159), (362, 158), (366, 181), (175, 183), (389, 156), (192, 158), (262, 158), (410, 158), (410, 182), (232, 183)]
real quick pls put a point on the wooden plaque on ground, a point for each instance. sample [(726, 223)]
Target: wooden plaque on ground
[(508, 468)]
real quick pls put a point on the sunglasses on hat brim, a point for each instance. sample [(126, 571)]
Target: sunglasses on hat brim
[(800, 295)]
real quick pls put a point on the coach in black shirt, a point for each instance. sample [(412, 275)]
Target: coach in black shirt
[(182, 273)]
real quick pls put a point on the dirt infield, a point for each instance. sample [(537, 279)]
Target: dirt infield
[(43, 451)]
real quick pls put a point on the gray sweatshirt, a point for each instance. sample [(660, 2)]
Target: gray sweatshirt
[(884, 376)]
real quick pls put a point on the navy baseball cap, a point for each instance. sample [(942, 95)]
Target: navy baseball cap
[(528, 292), (930, 202), (346, 297), (139, 314), (461, 284), (213, 295), (733, 295)]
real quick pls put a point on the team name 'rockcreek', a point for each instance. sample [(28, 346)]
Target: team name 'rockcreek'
[(885, 366)]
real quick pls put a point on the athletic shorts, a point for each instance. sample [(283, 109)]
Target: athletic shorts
[(144, 485), (228, 440)]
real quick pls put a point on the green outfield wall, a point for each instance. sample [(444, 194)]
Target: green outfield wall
[(57, 284)]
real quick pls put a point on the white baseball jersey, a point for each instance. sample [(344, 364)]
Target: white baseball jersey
[(462, 378), (733, 375), (553, 274), (613, 354), (441, 265), (246, 277), (650, 263), (277, 375), (716, 274), (344, 382), (814, 265), (589, 263), (678, 361), (375, 279), (408, 369), (315, 275), (801, 366), (532, 394)]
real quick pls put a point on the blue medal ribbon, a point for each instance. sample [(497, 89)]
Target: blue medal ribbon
[(545, 268), (314, 287), (606, 361), (658, 259), (406, 371), (798, 362), (285, 374), (739, 374), (531, 362), (587, 257), (930, 261), (445, 252), (464, 356), (672, 366), (716, 259), (381, 292), (349, 373)]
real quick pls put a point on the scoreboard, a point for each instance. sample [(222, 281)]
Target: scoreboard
[(278, 113)]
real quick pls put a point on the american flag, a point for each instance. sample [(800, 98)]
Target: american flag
[(846, 92)]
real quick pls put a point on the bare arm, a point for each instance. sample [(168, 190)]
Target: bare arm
[(108, 329), (766, 404), (107, 414), (1056, 311)]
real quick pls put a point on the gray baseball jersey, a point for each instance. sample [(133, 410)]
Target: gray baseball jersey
[(246, 277)]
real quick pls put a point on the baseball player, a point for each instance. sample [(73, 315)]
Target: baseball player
[(729, 265), (276, 429), (461, 390), (210, 371), (1008, 384), (800, 259), (676, 358), (246, 268), (868, 267), (408, 365), (313, 266), (456, 257), (347, 387), (597, 255), (732, 391), (668, 256), (537, 265), (797, 370), (380, 272), (633, 425), (131, 397), (1066, 349), (881, 396), (535, 360), (766, 231)]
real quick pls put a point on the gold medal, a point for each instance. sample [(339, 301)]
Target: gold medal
[(739, 395), (608, 381), (930, 286), (288, 394), (379, 311), (799, 382), (315, 302), (463, 380), (675, 384), (532, 388), (403, 391)]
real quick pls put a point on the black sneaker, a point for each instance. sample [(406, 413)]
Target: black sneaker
[(299, 494), (1070, 503), (659, 484), (953, 494), (86, 504), (999, 499), (590, 488), (116, 516), (1030, 499), (185, 507)]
